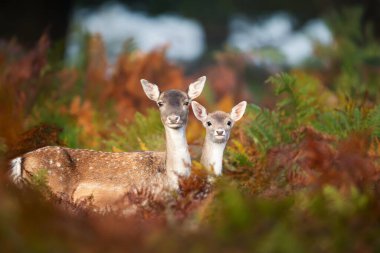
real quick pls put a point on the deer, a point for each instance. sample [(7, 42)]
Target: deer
[(218, 127), (106, 176)]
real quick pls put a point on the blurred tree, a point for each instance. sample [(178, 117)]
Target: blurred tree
[(370, 20), (215, 15), (28, 20), (371, 17)]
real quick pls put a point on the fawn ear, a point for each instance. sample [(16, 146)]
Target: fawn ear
[(150, 89), (195, 88), (238, 111), (199, 111)]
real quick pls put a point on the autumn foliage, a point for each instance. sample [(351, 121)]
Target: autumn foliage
[(299, 176)]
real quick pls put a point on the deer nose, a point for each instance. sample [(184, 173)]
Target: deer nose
[(173, 118), (220, 132)]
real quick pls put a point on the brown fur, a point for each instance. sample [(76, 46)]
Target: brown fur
[(105, 176)]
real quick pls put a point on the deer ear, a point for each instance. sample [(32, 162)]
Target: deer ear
[(238, 111), (199, 111), (195, 88), (150, 89)]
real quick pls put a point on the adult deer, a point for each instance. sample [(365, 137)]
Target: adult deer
[(218, 127), (106, 176)]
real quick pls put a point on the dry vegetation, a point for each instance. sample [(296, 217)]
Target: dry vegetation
[(302, 176)]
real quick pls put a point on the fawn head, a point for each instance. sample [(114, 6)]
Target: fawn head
[(218, 124), (173, 104)]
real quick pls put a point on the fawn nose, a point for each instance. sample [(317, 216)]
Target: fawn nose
[(220, 132), (173, 119)]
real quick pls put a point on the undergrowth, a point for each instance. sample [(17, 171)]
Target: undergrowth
[(145, 132), (299, 176)]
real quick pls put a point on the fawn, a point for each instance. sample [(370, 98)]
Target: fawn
[(106, 176), (218, 127)]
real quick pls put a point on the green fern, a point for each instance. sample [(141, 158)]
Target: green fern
[(46, 113), (265, 128), (341, 123), (373, 121), (299, 103), (297, 107), (144, 132), (39, 180), (356, 56)]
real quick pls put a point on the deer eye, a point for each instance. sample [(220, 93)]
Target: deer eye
[(209, 123), (160, 104), (229, 123), (186, 103)]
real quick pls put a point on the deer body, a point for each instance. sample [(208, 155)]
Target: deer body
[(107, 176), (104, 175)]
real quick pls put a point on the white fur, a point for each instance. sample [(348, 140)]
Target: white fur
[(199, 111), (177, 152), (195, 88), (238, 111), (150, 89), (212, 156), (16, 170)]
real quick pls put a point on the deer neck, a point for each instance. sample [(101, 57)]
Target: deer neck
[(212, 156), (178, 162)]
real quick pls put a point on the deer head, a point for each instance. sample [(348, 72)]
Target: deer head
[(173, 104), (218, 128), (218, 124)]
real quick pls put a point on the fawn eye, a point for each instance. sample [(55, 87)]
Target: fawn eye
[(229, 123), (209, 123), (186, 103), (160, 104)]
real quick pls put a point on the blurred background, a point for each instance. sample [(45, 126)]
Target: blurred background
[(301, 171), (263, 37), (237, 44), (191, 28)]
